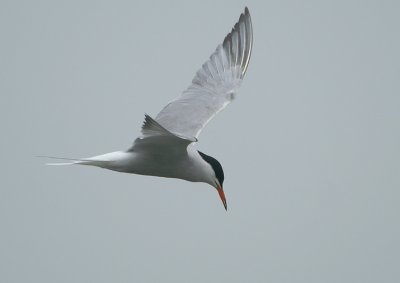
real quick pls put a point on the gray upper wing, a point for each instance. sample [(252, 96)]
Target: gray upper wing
[(155, 136), (214, 85)]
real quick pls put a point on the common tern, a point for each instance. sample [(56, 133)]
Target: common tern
[(165, 146)]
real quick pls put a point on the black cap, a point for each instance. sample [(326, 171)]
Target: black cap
[(216, 166)]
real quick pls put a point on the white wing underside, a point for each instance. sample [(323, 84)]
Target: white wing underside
[(213, 86)]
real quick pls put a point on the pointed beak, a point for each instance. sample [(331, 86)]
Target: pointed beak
[(222, 196)]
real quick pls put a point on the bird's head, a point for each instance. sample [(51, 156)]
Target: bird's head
[(218, 176)]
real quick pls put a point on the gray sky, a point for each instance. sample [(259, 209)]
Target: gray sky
[(310, 147)]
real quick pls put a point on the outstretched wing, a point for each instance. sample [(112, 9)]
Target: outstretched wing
[(214, 85)]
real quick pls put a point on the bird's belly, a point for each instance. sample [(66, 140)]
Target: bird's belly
[(162, 165), (162, 168)]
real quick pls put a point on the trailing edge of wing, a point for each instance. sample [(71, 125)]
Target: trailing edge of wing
[(215, 84)]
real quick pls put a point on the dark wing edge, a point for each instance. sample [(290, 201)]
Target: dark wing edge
[(239, 42), (214, 85), (231, 58)]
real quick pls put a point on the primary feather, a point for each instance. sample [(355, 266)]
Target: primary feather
[(164, 147), (214, 85)]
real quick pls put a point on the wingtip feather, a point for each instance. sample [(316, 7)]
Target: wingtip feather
[(60, 164)]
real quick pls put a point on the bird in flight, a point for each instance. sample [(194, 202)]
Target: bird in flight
[(166, 145)]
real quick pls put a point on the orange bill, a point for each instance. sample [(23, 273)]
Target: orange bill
[(222, 196)]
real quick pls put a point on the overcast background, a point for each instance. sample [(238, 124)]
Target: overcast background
[(310, 147)]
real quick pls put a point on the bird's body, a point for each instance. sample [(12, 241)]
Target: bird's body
[(162, 155), (187, 166), (165, 148)]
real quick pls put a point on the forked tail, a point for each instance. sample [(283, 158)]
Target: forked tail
[(73, 161)]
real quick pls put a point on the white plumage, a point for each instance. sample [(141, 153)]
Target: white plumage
[(165, 147), (214, 85)]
